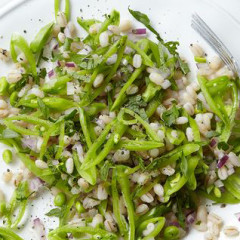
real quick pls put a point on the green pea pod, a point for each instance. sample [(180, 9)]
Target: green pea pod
[(41, 38), (159, 223), (229, 125), (173, 184), (89, 175), (150, 91), (98, 91), (226, 197), (174, 155), (19, 42), (146, 59), (232, 184), (54, 103), (218, 85), (155, 50), (125, 188), (212, 104), (78, 229), (18, 203), (112, 19), (119, 100), (115, 136), (8, 234), (154, 103), (102, 207), (113, 49), (94, 108), (4, 85), (145, 188), (91, 153), (56, 86), (61, 140), (136, 119), (175, 140), (45, 174), (137, 145), (86, 23), (13, 98), (67, 8), (200, 59), (115, 201), (157, 211)]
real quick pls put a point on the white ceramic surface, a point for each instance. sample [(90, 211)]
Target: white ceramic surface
[(172, 18)]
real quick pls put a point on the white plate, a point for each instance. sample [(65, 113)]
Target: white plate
[(171, 18)]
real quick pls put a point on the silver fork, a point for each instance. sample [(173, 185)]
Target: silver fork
[(206, 32)]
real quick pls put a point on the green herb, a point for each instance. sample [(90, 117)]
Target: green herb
[(172, 47), (42, 73), (223, 145), (104, 170), (170, 116), (143, 18), (43, 108), (137, 104), (184, 66), (56, 212)]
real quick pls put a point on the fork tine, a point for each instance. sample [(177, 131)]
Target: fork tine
[(224, 52), (211, 34), (205, 31), (213, 43)]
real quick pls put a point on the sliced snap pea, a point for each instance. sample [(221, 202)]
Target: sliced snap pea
[(4, 85), (41, 38)]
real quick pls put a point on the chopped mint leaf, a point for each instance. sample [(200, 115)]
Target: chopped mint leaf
[(170, 116)]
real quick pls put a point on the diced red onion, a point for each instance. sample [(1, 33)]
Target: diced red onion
[(176, 224), (39, 229), (35, 184), (70, 64), (190, 218), (53, 44), (51, 73), (30, 142), (237, 216), (213, 143), (139, 31), (222, 161)]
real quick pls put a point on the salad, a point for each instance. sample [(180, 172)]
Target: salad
[(128, 143)]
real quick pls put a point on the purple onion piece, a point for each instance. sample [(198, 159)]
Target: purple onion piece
[(176, 224), (222, 161), (51, 73), (213, 143), (35, 184), (39, 229), (139, 31), (70, 64), (56, 47), (190, 218)]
